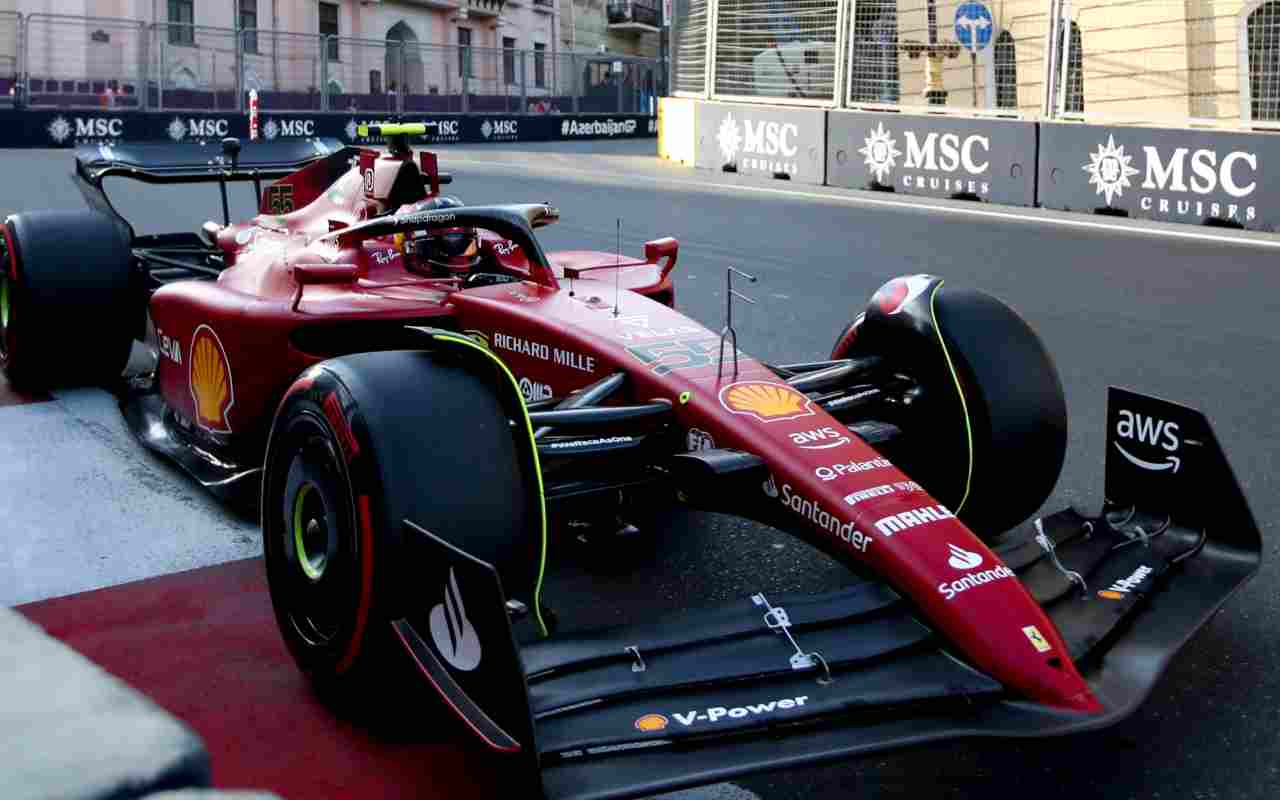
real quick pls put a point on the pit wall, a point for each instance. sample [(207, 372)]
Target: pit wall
[(1196, 176)]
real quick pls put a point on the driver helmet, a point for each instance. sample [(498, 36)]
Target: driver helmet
[(448, 252)]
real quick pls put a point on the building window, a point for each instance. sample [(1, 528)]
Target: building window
[(1074, 99), (249, 23), (539, 65), (874, 77), (329, 27), (1006, 63), (1264, 61), (464, 52), (182, 15), (509, 59)]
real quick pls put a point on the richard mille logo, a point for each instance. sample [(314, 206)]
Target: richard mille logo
[(880, 153), (1109, 170)]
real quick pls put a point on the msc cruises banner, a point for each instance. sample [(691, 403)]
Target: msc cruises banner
[(1172, 175), (769, 141), (935, 155), (69, 127)]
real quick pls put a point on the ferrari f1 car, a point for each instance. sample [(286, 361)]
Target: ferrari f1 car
[(336, 351)]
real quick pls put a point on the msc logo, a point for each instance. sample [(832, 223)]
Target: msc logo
[(761, 137), (947, 152), (1149, 431), (499, 127), (60, 128), (1184, 172), (289, 127), (205, 128)]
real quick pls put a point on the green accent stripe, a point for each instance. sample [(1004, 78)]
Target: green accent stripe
[(537, 468), (964, 406)]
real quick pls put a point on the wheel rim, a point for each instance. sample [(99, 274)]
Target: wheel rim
[(314, 538)]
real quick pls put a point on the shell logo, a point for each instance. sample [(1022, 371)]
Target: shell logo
[(767, 402), (651, 723), (210, 379)]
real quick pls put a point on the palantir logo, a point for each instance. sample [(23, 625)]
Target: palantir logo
[(963, 559), (454, 635), (1109, 170), (880, 153)]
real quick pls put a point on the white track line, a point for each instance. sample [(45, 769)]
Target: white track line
[(1034, 216)]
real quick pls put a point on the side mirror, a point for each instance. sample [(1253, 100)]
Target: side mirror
[(668, 248)]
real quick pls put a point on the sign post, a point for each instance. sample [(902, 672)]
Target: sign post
[(973, 31)]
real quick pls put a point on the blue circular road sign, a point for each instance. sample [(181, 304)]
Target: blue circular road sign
[(973, 26)]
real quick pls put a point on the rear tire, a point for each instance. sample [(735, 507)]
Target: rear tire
[(66, 299), (989, 435), (361, 443)]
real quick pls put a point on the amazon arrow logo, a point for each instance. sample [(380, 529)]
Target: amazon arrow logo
[(1170, 462), (1151, 431), (454, 635)]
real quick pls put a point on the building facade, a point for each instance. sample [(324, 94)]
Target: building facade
[(629, 27), (364, 47)]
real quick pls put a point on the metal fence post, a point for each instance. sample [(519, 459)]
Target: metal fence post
[(709, 71), (574, 78), (404, 79), (464, 59), (25, 55), (324, 72), (524, 81), (844, 16), (619, 77), (1064, 62), (1049, 82)]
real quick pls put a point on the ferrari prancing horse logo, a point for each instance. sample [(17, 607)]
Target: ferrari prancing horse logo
[(210, 379)]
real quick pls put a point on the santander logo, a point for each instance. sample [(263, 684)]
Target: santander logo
[(963, 559)]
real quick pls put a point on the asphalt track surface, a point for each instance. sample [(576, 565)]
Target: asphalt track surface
[(1181, 312)]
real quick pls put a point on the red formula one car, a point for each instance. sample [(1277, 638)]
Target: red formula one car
[(338, 354)]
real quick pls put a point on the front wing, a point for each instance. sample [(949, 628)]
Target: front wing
[(768, 683)]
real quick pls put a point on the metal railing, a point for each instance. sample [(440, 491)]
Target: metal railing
[(49, 60), (1198, 62)]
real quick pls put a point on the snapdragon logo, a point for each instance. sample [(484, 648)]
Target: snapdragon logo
[(1177, 183), (944, 162)]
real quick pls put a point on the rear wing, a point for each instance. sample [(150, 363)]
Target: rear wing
[(206, 161), (218, 162)]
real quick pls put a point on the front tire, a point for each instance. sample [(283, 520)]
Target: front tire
[(360, 444), (988, 436)]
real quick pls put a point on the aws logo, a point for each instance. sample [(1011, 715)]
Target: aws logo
[(210, 380), (1153, 432)]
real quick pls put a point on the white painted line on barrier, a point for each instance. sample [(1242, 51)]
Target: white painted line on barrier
[(1035, 216)]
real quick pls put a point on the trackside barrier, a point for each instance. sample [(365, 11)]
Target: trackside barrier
[(69, 127), (934, 155), (1169, 174), (787, 143), (1195, 176)]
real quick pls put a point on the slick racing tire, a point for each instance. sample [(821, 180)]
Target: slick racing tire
[(66, 296), (988, 434), (364, 442)]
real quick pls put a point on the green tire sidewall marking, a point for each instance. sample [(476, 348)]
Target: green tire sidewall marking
[(537, 467), (300, 548), (964, 406)]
